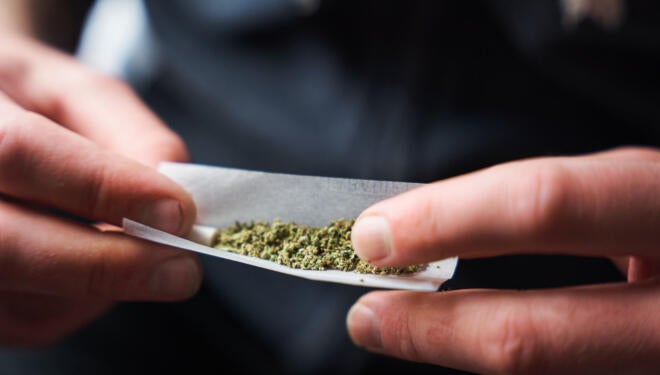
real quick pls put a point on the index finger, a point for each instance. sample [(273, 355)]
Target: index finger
[(581, 205), (43, 163), (100, 108)]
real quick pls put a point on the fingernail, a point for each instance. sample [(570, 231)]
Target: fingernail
[(166, 215), (372, 239), (362, 326), (177, 277)]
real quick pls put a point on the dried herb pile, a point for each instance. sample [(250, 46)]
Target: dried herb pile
[(300, 246)]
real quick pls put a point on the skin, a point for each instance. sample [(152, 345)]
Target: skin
[(76, 145), (605, 204), (78, 148)]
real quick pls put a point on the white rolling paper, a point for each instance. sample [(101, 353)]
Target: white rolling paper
[(225, 195)]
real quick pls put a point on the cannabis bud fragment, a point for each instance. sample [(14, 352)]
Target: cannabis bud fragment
[(301, 246)]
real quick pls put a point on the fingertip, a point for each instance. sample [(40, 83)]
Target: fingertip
[(174, 214), (176, 278), (165, 214), (363, 328), (399, 231), (371, 237), (188, 213)]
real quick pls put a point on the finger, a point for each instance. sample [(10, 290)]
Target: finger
[(43, 254), (635, 269), (33, 319), (99, 108), (600, 330), (47, 164), (583, 206), (630, 153)]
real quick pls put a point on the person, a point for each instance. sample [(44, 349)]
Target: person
[(481, 97)]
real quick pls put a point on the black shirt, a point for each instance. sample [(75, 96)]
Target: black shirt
[(414, 90)]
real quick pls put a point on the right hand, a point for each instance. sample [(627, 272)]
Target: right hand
[(76, 144)]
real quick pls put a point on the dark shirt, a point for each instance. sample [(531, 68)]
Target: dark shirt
[(414, 90)]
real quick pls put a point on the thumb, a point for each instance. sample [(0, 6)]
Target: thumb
[(43, 163)]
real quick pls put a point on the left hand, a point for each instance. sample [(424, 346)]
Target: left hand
[(77, 147), (605, 204)]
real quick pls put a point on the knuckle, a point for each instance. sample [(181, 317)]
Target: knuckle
[(65, 102), (539, 198), (13, 142), (404, 338), (95, 193), (100, 278), (513, 344)]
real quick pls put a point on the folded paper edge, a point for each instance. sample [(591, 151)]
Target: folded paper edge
[(447, 267)]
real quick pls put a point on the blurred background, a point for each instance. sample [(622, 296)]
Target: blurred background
[(114, 31), (361, 88)]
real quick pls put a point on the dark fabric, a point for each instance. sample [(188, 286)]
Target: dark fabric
[(418, 91), (414, 90)]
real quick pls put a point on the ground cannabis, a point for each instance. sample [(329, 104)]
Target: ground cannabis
[(300, 246)]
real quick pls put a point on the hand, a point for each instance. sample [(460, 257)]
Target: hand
[(74, 144), (605, 204)]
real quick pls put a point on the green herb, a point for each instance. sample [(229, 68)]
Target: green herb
[(300, 246)]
